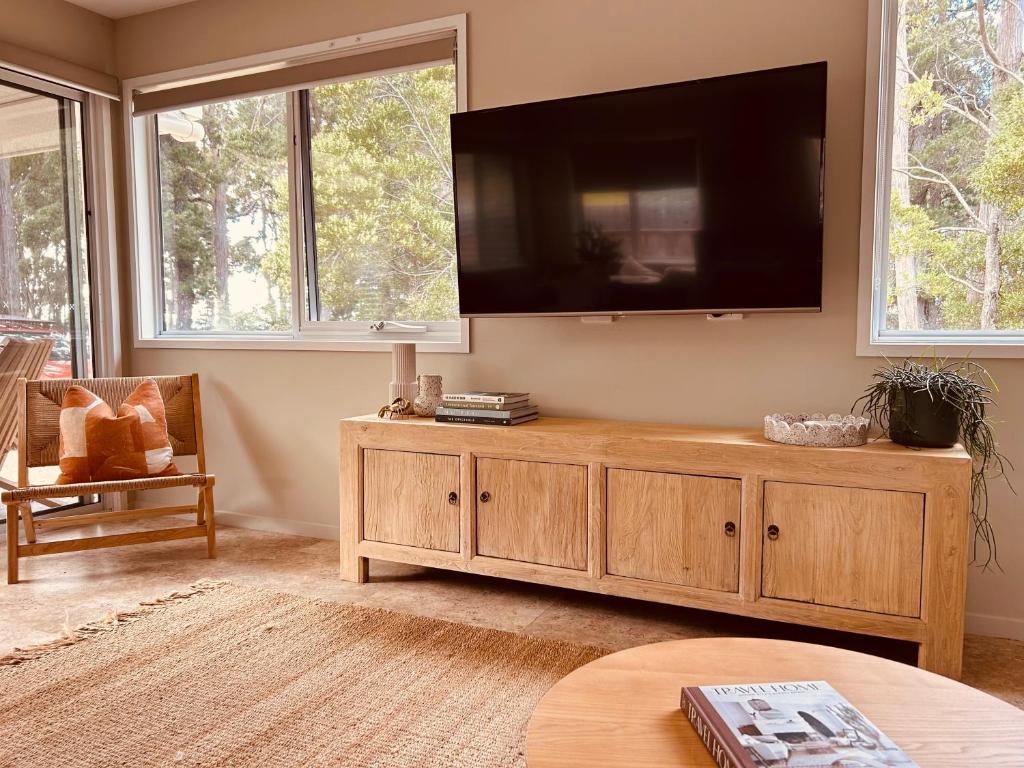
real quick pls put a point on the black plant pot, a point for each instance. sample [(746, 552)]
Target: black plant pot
[(922, 419)]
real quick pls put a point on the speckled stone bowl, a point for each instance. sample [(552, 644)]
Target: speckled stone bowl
[(817, 429)]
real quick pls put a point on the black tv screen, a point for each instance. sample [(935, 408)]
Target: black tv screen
[(703, 196)]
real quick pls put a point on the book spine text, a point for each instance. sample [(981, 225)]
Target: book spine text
[(484, 413), (464, 405), (473, 420), (497, 399), (720, 753)]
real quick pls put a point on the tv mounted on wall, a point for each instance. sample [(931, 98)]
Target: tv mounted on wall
[(702, 196)]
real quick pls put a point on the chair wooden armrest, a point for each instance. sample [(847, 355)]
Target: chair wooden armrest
[(197, 480)]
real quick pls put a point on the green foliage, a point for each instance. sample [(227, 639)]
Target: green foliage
[(999, 178), (921, 102), (382, 205), (222, 219), (1011, 306), (34, 185), (913, 232), (965, 160), (382, 191)]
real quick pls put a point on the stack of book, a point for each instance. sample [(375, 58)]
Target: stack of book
[(504, 409)]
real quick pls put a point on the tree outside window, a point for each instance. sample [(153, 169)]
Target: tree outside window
[(956, 234), (381, 206), (44, 265), (224, 212), (383, 199)]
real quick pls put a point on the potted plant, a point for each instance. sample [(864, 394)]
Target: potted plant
[(935, 405)]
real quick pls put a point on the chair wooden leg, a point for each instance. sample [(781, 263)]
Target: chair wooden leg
[(200, 507), (211, 527), (12, 543), (30, 523)]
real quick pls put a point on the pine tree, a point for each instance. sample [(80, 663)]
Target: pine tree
[(962, 107)]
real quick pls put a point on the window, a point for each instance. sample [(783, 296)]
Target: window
[(947, 194), (44, 265), (223, 171), (310, 204), (383, 205), (44, 247)]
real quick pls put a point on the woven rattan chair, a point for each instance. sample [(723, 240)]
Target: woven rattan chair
[(18, 360), (38, 446)]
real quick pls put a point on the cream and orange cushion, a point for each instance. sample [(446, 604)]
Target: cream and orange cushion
[(96, 445)]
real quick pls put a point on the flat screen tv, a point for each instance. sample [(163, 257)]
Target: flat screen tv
[(703, 196)]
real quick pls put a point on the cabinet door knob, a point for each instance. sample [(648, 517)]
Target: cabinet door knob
[(730, 528), (773, 532), (453, 498), (485, 497)]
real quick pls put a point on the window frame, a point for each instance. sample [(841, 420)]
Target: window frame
[(76, 232), (102, 356), (872, 338), (141, 167)]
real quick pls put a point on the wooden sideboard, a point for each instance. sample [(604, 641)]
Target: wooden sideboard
[(870, 539)]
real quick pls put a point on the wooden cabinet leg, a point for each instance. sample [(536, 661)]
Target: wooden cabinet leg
[(12, 543), (355, 569), (942, 653), (944, 585)]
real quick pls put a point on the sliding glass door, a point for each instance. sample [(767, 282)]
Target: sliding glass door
[(44, 243)]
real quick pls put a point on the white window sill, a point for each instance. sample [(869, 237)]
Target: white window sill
[(942, 345), (256, 342)]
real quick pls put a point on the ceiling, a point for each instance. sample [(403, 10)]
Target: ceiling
[(118, 9)]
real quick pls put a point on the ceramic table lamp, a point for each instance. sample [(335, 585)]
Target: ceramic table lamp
[(403, 372)]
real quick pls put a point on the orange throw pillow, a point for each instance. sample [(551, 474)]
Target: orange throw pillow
[(96, 445)]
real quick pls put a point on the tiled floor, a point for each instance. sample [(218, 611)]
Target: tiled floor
[(72, 589)]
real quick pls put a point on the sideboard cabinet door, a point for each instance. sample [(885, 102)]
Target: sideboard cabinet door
[(411, 499), (532, 511), (673, 528), (846, 547)]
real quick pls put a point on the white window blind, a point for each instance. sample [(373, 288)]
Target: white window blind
[(295, 75)]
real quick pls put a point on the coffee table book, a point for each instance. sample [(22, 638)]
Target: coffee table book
[(787, 724)]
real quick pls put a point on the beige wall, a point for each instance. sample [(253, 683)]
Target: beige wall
[(271, 417), (60, 30)]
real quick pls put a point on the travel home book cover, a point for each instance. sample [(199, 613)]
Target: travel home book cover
[(787, 725)]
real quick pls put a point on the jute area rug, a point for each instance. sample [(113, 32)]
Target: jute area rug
[(224, 675)]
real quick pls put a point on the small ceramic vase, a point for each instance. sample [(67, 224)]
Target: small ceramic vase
[(428, 394)]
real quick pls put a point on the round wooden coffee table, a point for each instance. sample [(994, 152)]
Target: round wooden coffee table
[(622, 711)]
